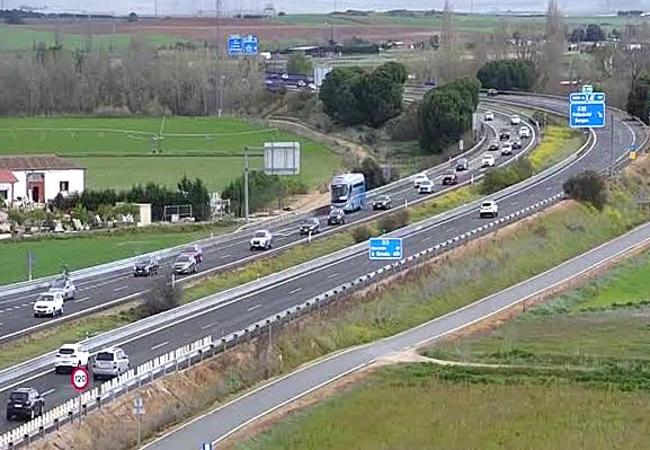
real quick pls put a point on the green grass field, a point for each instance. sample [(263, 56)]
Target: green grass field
[(420, 406), (84, 251), (118, 151), (476, 23), (14, 38), (604, 321)]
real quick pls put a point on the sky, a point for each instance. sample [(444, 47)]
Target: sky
[(207, 7)]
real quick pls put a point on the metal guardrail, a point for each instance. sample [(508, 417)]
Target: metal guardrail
[(187, 355)]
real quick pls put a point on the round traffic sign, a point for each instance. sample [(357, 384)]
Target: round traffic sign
[(80, 379)]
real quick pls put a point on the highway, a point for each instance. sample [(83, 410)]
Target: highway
[(231, 316), (225, 420), (98, 292)]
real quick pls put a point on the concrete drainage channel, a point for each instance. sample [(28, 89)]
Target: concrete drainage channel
[(188, 355)]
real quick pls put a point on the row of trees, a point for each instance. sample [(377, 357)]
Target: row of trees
[(137, 80), (638, 101), (445, 113), (188, 192), (592, 33), (507, 74), (353, 96)]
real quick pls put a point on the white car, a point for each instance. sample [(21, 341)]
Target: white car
[(488, 160), (49, 304), (65, 286), (515, 119), (419, 179), (489, 208), (262, 239), (506, 149), (488, 116), (426, 187), (70, 356), (524, 132)]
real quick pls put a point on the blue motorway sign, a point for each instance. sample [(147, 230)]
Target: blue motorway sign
[(587, 110), (250, 45), (242, 45), (234, 45), (384, 249)]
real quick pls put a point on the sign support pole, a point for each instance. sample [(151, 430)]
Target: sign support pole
[(246, 184), (611, 145)]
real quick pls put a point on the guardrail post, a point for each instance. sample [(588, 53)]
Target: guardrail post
[(41, 431)]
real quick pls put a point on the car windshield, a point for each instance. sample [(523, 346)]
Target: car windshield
[(66, 351), (19, 396), (382, 198), (144, 261), (335, 212), (105, 356), (46, 298), (487, 204), (260, 234), (183, 259)]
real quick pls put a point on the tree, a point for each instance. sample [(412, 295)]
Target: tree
[(553, 49), (337, 95), (299, 64), (595, 33), (133, 17), (353, 96), (638, 101), (446, 113), (372, 171), (508, 74), (578, 35), (162, 296)]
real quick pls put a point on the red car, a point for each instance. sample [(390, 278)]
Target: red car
[(195, 251)]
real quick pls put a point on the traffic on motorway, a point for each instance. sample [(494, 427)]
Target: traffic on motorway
[(54, 386), (96, 293), (225, 318)]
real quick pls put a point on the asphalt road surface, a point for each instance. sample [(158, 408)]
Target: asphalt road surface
[(227, 419), (224, 319)]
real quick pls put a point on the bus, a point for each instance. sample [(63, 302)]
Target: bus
[(348, 191)]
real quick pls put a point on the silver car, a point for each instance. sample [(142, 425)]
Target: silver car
[(110, 363)]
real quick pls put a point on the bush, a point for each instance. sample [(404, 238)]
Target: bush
[(508, 74), (361, 234), (161, 297), (373, 173), (498, 179), (394, 221), (405, 126), (587, 187)]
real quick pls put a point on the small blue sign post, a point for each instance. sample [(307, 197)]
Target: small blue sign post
[(385, 249), (587, 109)]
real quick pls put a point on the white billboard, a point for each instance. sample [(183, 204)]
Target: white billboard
[(282, 158)]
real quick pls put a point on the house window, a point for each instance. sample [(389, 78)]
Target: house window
[(64, 186), (4, 194)]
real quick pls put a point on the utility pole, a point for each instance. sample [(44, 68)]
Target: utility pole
[(217, 38), (612, 158), (246, 183)]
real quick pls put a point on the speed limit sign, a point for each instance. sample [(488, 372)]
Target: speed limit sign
[(80, 379)]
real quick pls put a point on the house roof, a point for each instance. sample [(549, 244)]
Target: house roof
[(7, 177), (37, 162)]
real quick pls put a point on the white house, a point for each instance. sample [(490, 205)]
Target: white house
[(39, 178)]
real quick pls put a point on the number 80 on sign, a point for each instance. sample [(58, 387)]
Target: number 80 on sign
[(80, 379)]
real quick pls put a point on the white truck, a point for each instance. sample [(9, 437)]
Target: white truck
[(49, 304)]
